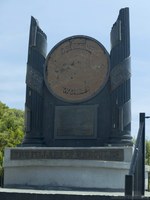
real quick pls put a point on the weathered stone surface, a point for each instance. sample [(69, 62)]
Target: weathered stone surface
[(79, 154), (77, 68)]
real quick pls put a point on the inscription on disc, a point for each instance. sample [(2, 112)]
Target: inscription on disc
[(77, 69)]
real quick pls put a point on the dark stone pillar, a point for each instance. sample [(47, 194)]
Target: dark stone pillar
[(34, 86), (120, 80)]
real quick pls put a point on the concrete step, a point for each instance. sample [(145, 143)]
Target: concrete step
[(29, 194)]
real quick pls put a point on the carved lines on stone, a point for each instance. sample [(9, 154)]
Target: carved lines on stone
[(120, 73), (116, 34), (124, 115), (34, 80), (79, 154)]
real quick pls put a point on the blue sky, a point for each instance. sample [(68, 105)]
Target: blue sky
[(63, 18)]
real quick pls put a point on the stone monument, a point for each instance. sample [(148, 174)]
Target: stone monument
[(77, 113), (79, 95)]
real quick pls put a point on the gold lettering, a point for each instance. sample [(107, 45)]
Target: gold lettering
[(75, 91)]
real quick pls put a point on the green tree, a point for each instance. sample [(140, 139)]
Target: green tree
[(11, 129), (147, 152)]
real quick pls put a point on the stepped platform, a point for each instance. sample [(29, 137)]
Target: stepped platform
[(30, 194), (92, 168)]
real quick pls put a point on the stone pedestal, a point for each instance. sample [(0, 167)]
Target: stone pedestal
[(75, 168)]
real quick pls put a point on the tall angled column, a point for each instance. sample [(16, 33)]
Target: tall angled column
[(34, 85), (120, 80)]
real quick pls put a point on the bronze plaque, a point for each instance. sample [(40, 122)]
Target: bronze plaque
[(77, 68), (79, 154), (74, 122)]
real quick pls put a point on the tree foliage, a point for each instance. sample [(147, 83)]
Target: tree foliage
[(11, 128), (147, 152)]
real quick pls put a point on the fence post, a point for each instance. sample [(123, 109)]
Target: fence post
[(128, 185), (142, 120), (135, 181)]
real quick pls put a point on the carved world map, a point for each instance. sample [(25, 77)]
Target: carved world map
[(77, 69)]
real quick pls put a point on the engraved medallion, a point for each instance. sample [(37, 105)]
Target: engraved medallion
[(77, 69)]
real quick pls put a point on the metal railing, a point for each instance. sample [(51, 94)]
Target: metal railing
[(135, 180)]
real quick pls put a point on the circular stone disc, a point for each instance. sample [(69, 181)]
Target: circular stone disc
[(77, 69)]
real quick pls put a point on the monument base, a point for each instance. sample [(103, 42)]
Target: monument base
[(83, 168)]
